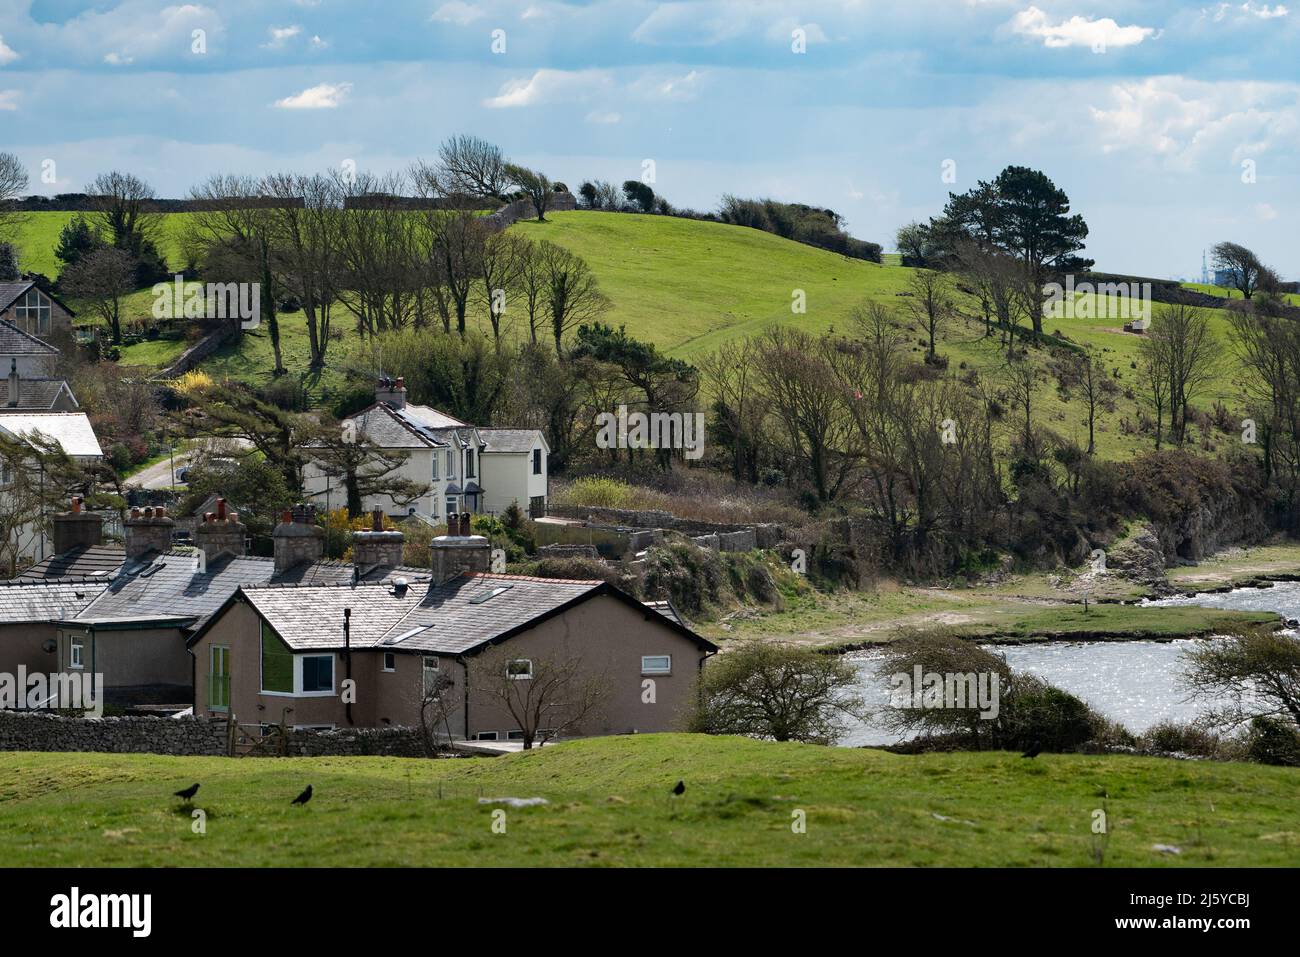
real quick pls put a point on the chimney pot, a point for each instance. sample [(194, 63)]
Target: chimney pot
[(377, 520), (221, 509), (286, 517), (76, 504)]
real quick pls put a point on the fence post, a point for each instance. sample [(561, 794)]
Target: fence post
[(230, 734)]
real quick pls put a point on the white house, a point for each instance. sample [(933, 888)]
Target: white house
[(462, 468)]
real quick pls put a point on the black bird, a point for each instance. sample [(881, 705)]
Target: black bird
[(1034, 750), (304, 797), (680, 789), (188, 793)]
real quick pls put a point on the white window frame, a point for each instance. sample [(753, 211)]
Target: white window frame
[(666, 670), (520, 677), (297, 675), (471, 466), (392, 655), (452, 506), (435, 455), (425, 669), (451, 465), (42, 308), (76, 653)]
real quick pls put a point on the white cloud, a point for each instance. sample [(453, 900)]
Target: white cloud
[(458, 12), (118, 59), (1264, 12), (282, 35), (546, 85), (318, 44), (7, 54), (679, 87), (1265, 211), (604, 118), (1077, 31), (325, 96), (8, 99), (689, 24), (1185, 123)]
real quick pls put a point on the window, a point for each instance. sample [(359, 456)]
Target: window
[(76, 653), (520, 669), (390, 661), (451, 463), (33, 313), (452, 507), (485, 736), (656, 664), (514, 736), (431, 673), (313, 727), (317, 674), (435, 456), (469, 463), (277, 663), (219, 678), (537, 461)]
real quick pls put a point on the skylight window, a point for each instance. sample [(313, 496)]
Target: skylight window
[(479, 599), (408, 634)]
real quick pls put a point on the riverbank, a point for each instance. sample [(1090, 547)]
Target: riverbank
[(1017, 609)]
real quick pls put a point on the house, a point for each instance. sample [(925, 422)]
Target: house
[(35, 312), (461, 467), (285, 653), (23, 352), (35, 394), (128, 613)]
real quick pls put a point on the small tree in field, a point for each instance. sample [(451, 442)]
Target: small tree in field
[(1253, 673), (546, 695), (777, 691)]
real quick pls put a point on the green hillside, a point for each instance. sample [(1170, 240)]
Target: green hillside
[(609, 804), (689, 285)]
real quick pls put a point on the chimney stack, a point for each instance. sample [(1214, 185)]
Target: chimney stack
[(458, 551), (15, 383), (391, 391), (76, 529), (377, 547), (220, 533), (147, 530), (297, 538)]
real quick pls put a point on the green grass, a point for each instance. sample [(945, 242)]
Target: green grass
[(610, 805)]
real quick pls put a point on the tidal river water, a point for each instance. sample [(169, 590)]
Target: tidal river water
[(1136, 683)]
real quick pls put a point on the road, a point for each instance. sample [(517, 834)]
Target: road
[(159, 475)]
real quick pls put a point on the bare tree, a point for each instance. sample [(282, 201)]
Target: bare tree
[(930, 302), (730, 375), (304, 239), (13, 182), (124, 210), (546, 695), (36, 476), (1182, 336), (436, 707), (468, 166), (1153, 376), (1254, 672), (500, 267), (573, 295), (1242, 265), (103, 279)]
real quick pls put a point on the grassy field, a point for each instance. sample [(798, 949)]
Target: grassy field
[(609, 805)]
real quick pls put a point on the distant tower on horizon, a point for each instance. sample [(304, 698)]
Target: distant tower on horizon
[(1205, 270)]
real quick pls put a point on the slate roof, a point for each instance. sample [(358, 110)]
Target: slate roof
[(389, 430), (448, 618), (431, 418), (508, 440), (15, 342), (89, 561), (170, 584), (22, 602), (33, 394), (72, 430), (10, 291)]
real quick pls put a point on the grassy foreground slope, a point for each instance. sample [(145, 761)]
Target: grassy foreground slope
[(609, 804)]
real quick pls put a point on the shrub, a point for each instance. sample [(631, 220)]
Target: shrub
[(693, 578), (1173, 737), (597, 492), (1273, 741)]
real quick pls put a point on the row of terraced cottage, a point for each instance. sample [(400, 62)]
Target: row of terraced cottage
[(305, 642)]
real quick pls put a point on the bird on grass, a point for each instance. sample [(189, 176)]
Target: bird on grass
[(680, 789), (304, 797), (188, 793), (1034, 750)]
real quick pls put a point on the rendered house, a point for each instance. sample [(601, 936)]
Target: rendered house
[(463, 468), (282, 654)]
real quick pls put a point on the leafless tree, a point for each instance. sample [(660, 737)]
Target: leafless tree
[(103, 279), (13, 183), (731, 376), (573, 295), (501, 266), (436, 707), (930, 303), (468, 166), (304, 230), (36, 477), (124, 210), (547, 695), (1253, 672), (1182, 336)]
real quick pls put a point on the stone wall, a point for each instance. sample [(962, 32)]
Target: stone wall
[(716, 535), (567, 551), (196, 353), (42, 731), (524, 209)]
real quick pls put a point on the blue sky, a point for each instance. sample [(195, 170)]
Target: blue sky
[(1150, 115)]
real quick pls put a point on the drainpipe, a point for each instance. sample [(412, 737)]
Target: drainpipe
[(347, 654), (465, 668)]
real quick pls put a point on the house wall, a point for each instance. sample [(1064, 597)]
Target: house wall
[(21, 645), (29, 366), (609, 636), (508, 477), (325, 491), (139, 665)]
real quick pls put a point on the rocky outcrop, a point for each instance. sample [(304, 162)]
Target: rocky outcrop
[(1139, 557)]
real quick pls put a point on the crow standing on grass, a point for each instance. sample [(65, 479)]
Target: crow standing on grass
[(1034, 750), (188, 793), (304, 797), (680, 789)]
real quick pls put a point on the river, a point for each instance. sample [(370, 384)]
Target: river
[(1133, 682)]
